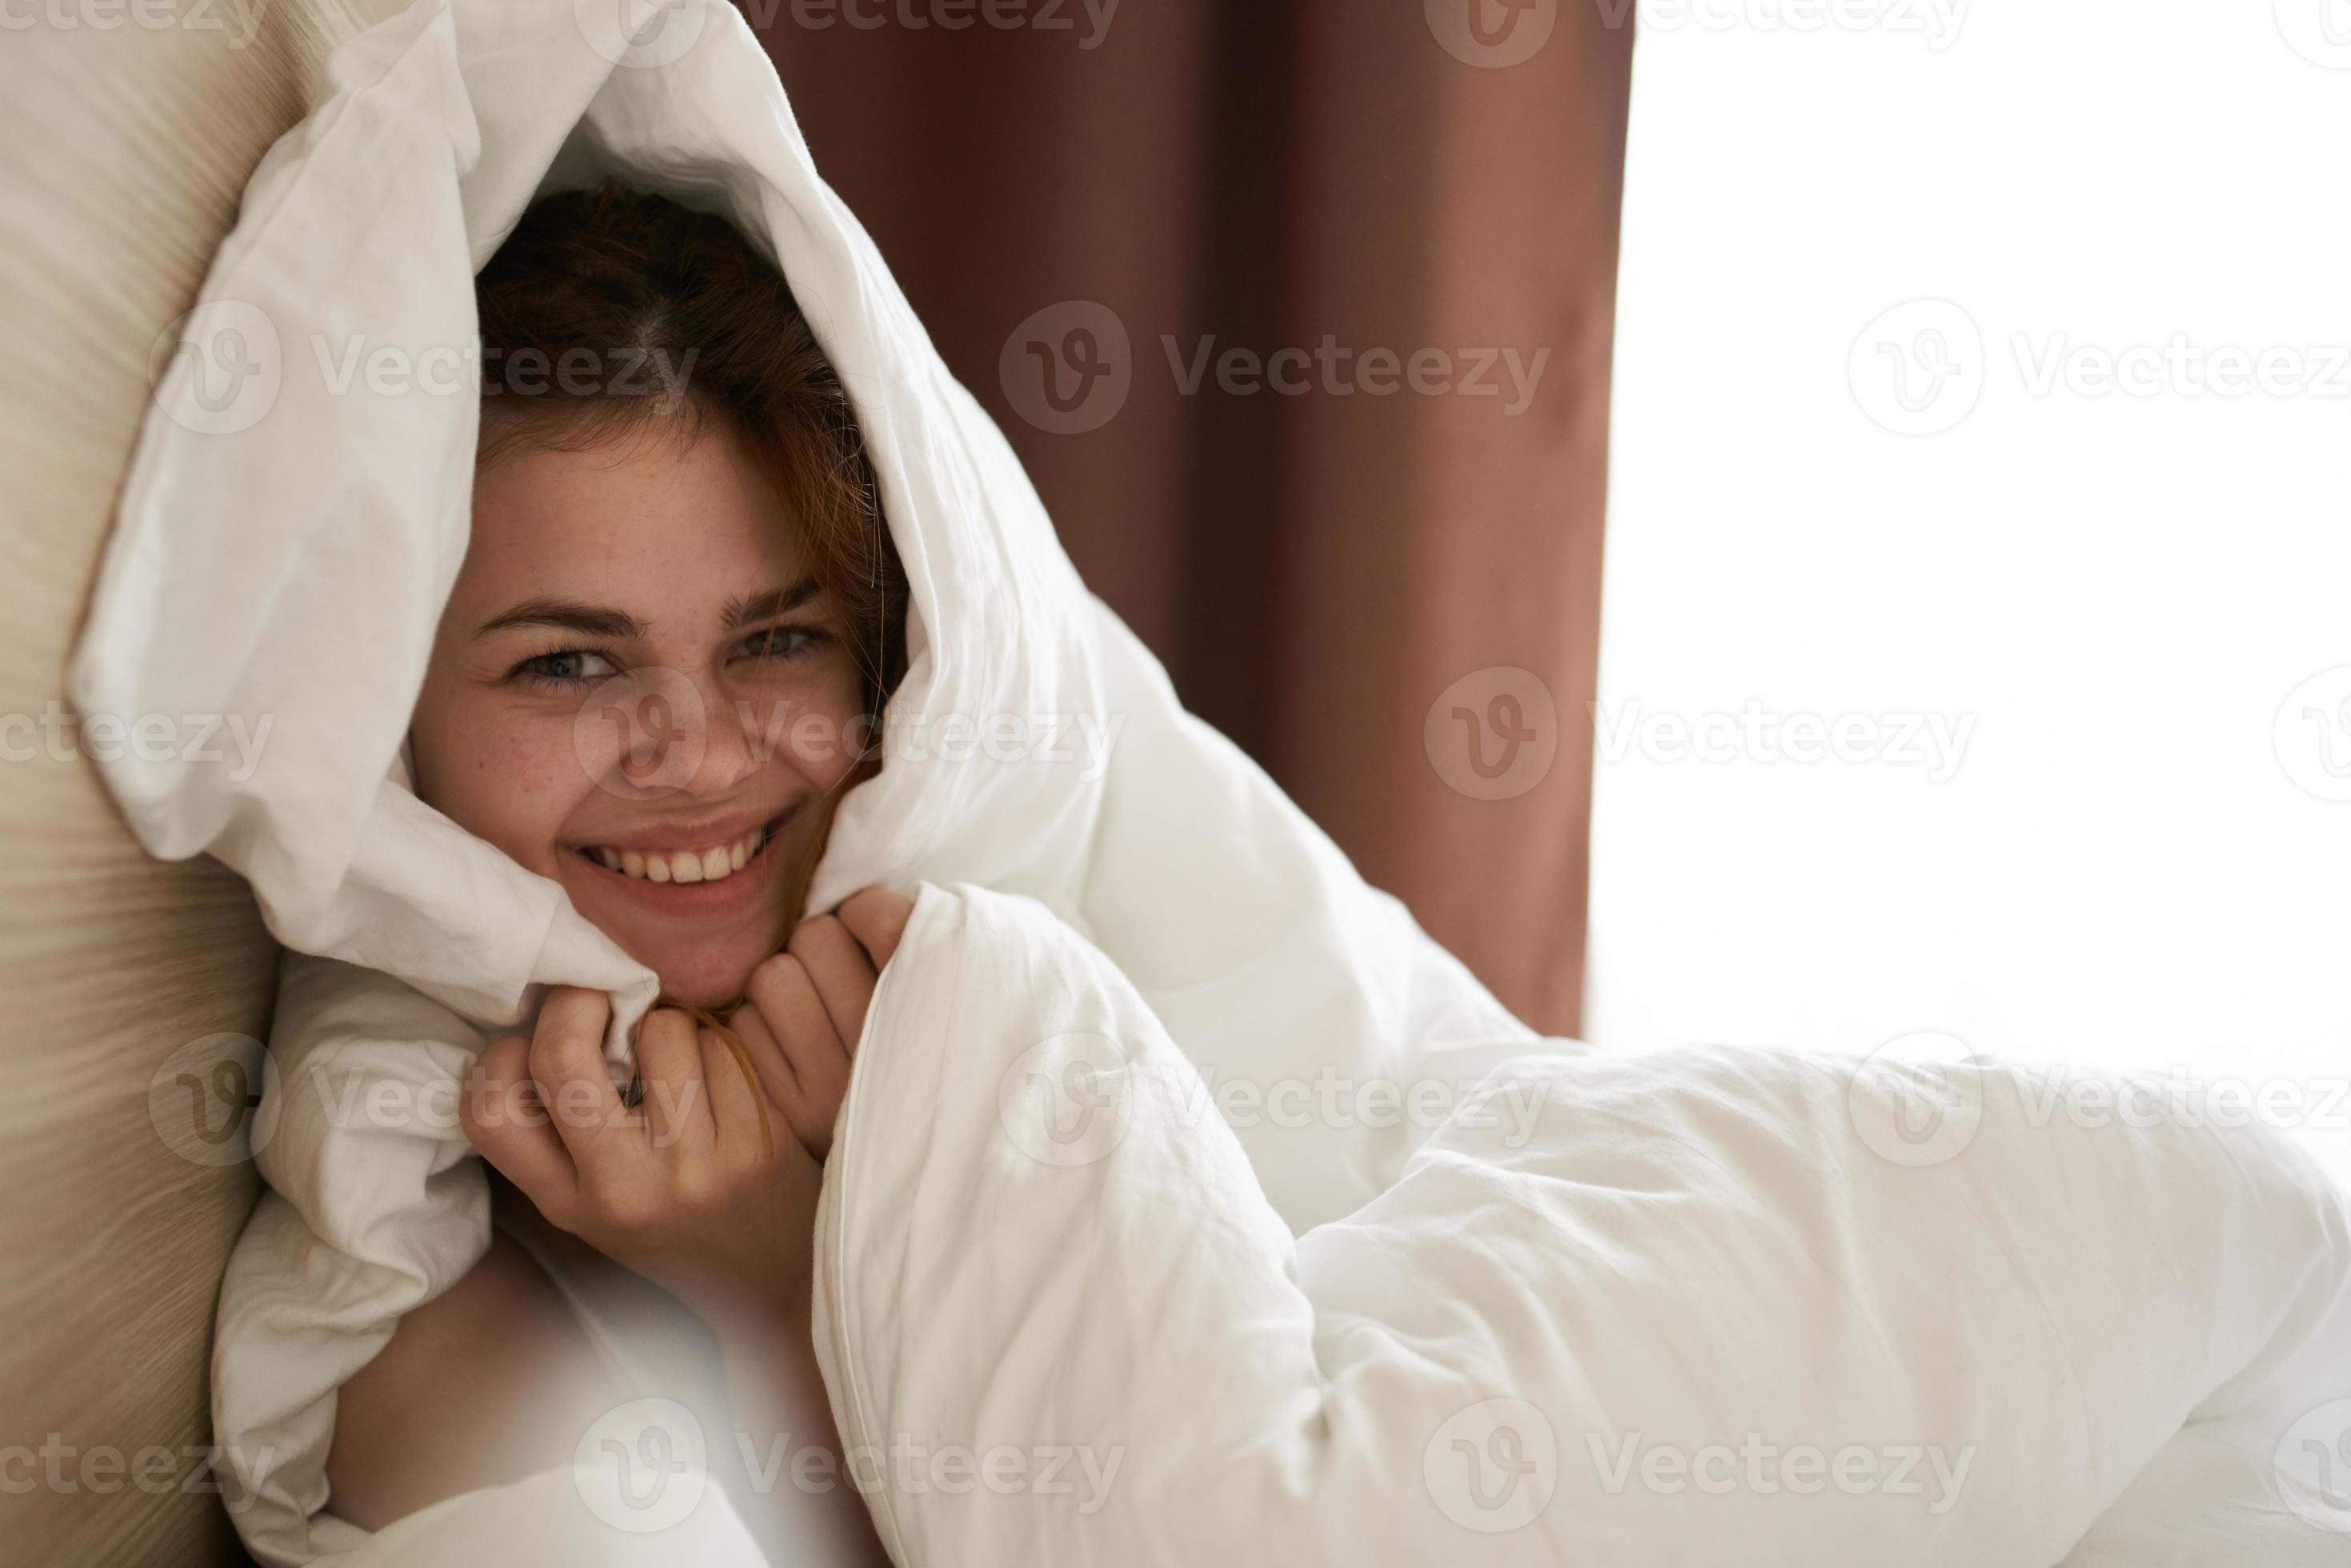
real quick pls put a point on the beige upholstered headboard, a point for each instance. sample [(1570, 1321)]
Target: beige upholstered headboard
[(131, 126)]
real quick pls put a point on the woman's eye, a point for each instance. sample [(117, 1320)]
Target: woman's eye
[(566, 667), (778, 643)]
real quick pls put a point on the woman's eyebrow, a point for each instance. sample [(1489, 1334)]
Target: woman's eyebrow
[(588, 620), (772, 602), (598, 620)]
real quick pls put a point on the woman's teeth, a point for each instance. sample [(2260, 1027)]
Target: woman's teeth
[(713, 865)]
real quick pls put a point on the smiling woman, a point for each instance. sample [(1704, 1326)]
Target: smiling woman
[(678, 599), (646, 686)]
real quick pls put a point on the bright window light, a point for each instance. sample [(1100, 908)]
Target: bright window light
[(1982, 434)]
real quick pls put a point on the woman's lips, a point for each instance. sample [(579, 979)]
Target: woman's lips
[(704, 896)]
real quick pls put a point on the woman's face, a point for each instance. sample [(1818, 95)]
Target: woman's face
[(638, 691)]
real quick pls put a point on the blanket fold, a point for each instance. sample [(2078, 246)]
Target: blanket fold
[(1678, 1309)]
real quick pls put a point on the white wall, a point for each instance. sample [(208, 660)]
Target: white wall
[(2118, 590)]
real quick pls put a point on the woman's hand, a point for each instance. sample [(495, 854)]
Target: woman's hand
[(683, 1189), (806, 1009)]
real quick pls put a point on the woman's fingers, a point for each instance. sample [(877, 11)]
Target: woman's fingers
[(842, 974), (735, 1099), (877, 917), (809, 1006), (567, 1060), (669, 1065), (796, 1019), (776, 1080), (502, 1116)]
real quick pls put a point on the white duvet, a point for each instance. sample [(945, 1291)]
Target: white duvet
[(1189, 1205), (1715, 1306)]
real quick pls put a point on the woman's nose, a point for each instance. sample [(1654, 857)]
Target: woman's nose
[(662, 731), (733, 745)]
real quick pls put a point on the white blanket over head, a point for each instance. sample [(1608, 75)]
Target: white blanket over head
[(1037, 1237)]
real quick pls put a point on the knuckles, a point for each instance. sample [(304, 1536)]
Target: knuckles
[(781, 969), (491, 1085), (816, 934), (619, 1208), (668, 1029), (878, 918)]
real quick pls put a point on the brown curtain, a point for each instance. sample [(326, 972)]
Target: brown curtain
[(1318, 567)]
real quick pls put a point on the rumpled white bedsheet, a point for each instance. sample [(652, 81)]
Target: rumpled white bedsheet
[(1605, 1334), (1291, 1330), (545, 1521)]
